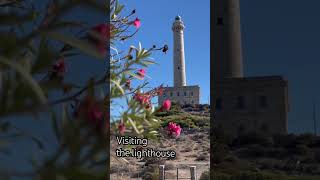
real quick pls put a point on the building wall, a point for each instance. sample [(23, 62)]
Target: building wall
[(252, 104), (181, 95)]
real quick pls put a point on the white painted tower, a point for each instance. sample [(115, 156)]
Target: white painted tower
[(179, 68), (180, 93)]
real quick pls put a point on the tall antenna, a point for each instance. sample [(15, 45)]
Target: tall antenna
[(314, 119)]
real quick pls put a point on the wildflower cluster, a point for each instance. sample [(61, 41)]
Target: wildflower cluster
[(174, 129)]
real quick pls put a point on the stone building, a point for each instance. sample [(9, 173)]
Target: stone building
[(180, 92), (242, 104)]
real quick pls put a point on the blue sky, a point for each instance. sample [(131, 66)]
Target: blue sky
[(156, 21)]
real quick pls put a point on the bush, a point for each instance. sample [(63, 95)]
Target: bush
[(205, 176), (248, 176), (306, 139), (151, 174), (252, 151), (184, 122), (253, 138), (300, 149), (220, 151), (276, 152), (284, 140)]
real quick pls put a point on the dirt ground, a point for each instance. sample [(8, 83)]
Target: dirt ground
[(191, 147)]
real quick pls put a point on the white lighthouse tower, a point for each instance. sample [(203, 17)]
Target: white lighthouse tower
[(180, 93), (179, 67)]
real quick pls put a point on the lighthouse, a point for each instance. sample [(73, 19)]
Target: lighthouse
[(227, 47), (242, 104), (180, 92), (179, 68)]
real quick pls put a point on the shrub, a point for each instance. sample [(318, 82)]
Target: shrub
[(300, 149), (248, 176), (252, 151), (305, 139), (284, 140), (276, 152), (220, 151), (205, 176), (253, 138)]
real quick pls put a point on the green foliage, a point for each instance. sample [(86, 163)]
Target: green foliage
[(253, 138), (138, 117), (32, 82), (205, 176)]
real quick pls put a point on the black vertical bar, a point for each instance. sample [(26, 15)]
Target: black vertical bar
[(177, 173)]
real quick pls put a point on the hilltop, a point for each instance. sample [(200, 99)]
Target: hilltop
[(191, 147)]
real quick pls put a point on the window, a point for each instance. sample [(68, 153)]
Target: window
[(192, 102), (218, 104), (171, 94), (178, 67), (185, 93), (263, 101), (191, 93), (178, 94), (220, 21), (240, 102)]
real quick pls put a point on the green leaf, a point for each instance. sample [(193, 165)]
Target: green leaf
[(27, 77), (133, 75), (83, 45), (46, 57), (55, 125)]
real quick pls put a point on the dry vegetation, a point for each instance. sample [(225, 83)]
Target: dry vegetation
[(192, 147)]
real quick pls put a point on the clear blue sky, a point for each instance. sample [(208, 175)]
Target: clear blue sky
[(156, 21)]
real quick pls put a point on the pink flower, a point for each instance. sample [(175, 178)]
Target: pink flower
[(103, 31), (59, 67), (99, 35), (102, 48), (143, 99), (166, 105), (174, 129), (141, 73), (121, 128), (137, 23), (95, 113), (90, 110)]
